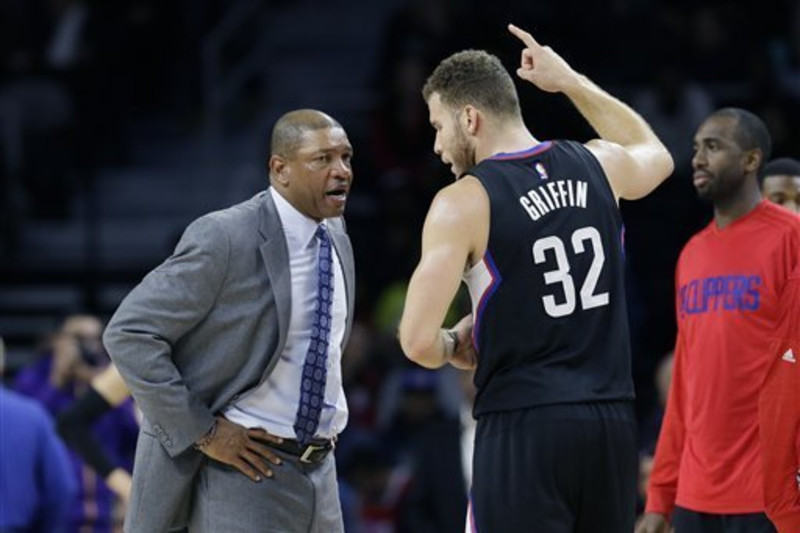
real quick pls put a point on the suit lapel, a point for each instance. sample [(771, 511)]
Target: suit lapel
[(345, 252), (276, 259)]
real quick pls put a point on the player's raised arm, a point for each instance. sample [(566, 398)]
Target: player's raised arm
[(633, 157)]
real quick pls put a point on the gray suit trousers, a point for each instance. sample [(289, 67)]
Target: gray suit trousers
[(300, 498)]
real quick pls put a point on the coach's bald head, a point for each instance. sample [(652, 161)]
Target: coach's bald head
[(287, 134)]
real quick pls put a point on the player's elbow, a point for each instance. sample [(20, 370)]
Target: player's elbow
[(655, 163), (663, 163), (416, 347), (411, 345), (652, 166)]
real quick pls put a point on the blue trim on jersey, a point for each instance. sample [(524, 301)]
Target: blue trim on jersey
[(539, 148), (487, 294)]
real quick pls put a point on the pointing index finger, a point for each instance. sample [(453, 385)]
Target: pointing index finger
[(523, 36)]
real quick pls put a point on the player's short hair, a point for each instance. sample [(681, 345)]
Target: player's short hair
[(751, 133), (474, 77), (782, 166), (287, 133)]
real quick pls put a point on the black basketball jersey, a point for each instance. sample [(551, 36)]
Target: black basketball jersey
[(548, 297)]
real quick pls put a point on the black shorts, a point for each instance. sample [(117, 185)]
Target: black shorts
[(556, 469), (688, 521)]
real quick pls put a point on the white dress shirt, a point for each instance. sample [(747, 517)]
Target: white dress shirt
[(273, 404)]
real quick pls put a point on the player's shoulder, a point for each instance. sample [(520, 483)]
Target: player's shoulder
[(779, 216), (459, 202), (461, 190)]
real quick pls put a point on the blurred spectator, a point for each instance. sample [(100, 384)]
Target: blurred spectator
[(63, 373), (780, 182), (107, 391), (75, 355), (69, 70), (717, 51), (411, 399), (377, 486), (784, 56), (651, 425), (37, 109), (37, 489), (442, 468), (674, 107), (367, 360)]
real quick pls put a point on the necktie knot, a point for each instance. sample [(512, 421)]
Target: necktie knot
[(322, 234)]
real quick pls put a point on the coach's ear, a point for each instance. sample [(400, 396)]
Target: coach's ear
[(278, 170)]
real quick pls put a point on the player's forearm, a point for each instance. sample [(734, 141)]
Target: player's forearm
[(430, 351), (612, 119)]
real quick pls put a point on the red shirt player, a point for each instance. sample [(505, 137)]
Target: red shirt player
[(730, 280)]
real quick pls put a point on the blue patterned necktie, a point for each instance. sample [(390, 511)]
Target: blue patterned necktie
[(312, 388)]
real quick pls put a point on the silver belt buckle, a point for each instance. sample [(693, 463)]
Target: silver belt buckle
[(311, 448)]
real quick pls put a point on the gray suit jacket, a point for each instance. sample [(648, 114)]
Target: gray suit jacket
[(203, 327)]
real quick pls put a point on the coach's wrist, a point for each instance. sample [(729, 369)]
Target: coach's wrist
[(205, 440)]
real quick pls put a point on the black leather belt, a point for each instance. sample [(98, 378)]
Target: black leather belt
[(313, 452)]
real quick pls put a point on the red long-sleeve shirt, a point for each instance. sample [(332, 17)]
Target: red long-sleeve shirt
[(780, 416), (729, 284)]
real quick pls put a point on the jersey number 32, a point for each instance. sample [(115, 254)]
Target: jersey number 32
[(561, 274)]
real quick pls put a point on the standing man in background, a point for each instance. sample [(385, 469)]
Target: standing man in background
[(106, 392), (780, 182), (38, 490), (779, 410), (779, 405), (232, 350), (730, 281), (535, 231)]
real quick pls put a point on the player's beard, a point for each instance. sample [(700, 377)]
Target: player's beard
[(722, 187), (463, 153)]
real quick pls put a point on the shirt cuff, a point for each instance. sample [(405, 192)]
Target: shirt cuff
[(660, 503)]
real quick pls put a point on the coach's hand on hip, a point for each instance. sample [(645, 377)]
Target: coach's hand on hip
[(242, 448)]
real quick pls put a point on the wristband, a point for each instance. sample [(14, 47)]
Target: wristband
[(453, 337)]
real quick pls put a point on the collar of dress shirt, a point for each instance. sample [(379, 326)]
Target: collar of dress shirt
[(299, 228)]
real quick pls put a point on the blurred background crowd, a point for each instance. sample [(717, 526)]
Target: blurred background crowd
[(121, 121)]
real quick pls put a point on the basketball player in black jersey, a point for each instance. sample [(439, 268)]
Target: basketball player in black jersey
[(534, 230)]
